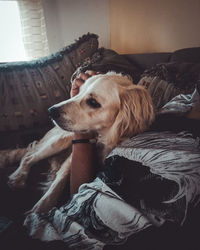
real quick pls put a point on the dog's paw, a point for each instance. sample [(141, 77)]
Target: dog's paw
[(19, 177), (16, 180), (32, 146)]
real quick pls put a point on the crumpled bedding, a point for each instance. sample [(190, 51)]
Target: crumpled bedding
[(147, 180)]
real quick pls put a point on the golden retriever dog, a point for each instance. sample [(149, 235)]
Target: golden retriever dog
[(108, 104)]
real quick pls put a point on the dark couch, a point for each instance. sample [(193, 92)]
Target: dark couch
[(28, 89)]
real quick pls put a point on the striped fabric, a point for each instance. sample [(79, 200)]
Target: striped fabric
[(33, 28)]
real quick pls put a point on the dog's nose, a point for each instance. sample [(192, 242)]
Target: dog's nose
[(54, 113)]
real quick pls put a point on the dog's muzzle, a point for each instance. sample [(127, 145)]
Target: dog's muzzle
[(60, 118), (54, 113)]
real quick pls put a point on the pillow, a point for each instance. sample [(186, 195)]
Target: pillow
[(105, 60), (165, 81), (28, 89), (187, 105), (186, 55)]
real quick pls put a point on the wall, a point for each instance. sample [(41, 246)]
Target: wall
[(154, 25), (67, 20)]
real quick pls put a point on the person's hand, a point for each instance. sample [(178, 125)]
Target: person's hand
[(78, 81)]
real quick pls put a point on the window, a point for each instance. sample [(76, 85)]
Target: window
[(11, 45)]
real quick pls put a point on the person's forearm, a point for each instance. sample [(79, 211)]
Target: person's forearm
[(82, 167)]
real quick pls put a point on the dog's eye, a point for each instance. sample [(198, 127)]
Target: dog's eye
[(93, 103)]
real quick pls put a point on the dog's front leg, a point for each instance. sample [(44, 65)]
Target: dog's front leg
[(53, 142), (50, 198)]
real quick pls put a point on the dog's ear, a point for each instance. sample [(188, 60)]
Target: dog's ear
[(135, 115)]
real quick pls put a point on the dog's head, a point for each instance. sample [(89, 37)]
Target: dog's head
[(108, 104)]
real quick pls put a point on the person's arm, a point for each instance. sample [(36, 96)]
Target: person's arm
[(82, 167), (83, 154)]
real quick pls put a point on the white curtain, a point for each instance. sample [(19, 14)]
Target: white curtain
[(33, 28)]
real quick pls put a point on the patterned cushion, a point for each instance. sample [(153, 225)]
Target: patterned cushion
[(165, 81), (28, 89), (105, 60)]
